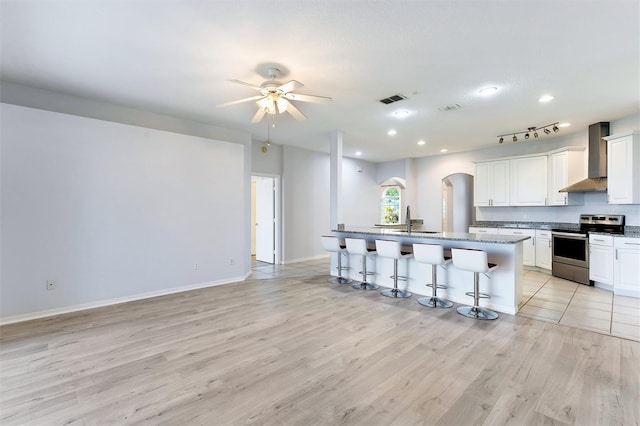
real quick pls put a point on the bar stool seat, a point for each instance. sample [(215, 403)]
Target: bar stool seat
[(393, 250), (333, 244), (358, 246), (474, 261), (433, 255)]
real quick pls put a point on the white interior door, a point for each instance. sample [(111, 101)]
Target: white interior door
[(265, 224)]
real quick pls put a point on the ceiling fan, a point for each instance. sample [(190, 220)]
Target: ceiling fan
[(275, 97)]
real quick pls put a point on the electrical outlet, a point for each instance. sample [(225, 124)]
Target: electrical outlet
[(195, 266), (230, 261), (51, 285)]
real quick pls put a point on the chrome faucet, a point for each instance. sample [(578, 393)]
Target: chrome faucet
[(408, 219)]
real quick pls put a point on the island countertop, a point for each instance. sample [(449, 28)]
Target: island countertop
[(421, 233)]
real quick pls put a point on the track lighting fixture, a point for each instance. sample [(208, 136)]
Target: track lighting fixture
[(527, 133)]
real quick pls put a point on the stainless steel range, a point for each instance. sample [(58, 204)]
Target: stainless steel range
[(570, 248)]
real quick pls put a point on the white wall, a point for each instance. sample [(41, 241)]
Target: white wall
[(305, 196), (360, 193), (113, 211)]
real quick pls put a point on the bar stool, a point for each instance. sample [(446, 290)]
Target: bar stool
[(358, 246), (432, 254), (393, 250), (332, 244), (474, 261)]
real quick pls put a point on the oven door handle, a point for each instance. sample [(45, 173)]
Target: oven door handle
[(570, 235)]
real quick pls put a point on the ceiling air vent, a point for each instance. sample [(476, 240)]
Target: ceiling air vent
[(392, 99), (450, 107)]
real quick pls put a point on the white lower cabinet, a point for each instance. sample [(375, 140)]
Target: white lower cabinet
[(626, 266), (601, 258), (528, 246), (480, 230), (543, 249)]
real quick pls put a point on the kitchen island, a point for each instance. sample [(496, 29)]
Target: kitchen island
[(504, 286)]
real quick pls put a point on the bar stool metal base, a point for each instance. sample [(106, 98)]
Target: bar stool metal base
[(435, 302), (394, 292), (340, 280), (365, 286), (477, 312)]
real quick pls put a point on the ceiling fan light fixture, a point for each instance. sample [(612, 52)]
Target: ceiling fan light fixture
[(282, 105)]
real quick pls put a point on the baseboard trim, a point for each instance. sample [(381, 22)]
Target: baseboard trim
[(306, 259), (117, 300)]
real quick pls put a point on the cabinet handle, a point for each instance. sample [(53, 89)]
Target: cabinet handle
[(616, 254), (533, 241), (632, 244), (597, 239), (545, 201), (549, 243), (565, 200), (517, 233)]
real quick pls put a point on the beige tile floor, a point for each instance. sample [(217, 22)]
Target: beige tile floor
[(544, 298), (553, 299)]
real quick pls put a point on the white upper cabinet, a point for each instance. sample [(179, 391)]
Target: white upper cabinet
[(491, 184), (565, 168), (529, 181), (623, 168)]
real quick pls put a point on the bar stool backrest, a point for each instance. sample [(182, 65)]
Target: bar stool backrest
[(331, 243), (389, 249), (432, 254), (356, 246), (470, 260)]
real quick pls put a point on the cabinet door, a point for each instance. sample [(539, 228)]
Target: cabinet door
[(620, 170), (558, 163), (481, 185), (601, 263), (529, 181), (528, 246), (543, 250), (500, 183), (626, 267)]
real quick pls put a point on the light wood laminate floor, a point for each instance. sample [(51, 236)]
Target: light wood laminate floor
[(296, 350)]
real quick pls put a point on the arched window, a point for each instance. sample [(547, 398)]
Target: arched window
[(390, 204)]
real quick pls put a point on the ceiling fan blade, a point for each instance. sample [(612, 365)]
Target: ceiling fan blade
[(253, 98), (290, 85), (307, 98), (295, 112), (259, 114), (253, 86)]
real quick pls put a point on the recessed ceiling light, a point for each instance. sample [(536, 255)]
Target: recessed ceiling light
[(358, 153), (421, 142), (545, 98), (488, 91), (391, 132), (401, 114), (564, 124), (444, 150)]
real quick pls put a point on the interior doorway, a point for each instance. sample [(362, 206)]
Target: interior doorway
[(264, 218)]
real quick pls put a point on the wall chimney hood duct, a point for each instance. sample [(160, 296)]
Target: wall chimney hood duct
[(597, 180)]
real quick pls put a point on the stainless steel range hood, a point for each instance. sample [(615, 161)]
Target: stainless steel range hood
[(597, 172)]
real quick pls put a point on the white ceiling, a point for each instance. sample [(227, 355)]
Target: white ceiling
[(177, 57)]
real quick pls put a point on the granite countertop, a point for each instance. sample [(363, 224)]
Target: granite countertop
[(629, 231), (423, 233)]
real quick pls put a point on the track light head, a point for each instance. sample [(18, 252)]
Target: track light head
[(546, 131), (515, 138), (501, 139), (555, 128), (535, 135), (526, 136)]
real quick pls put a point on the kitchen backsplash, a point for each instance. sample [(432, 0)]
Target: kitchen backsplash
[(594, 203)]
